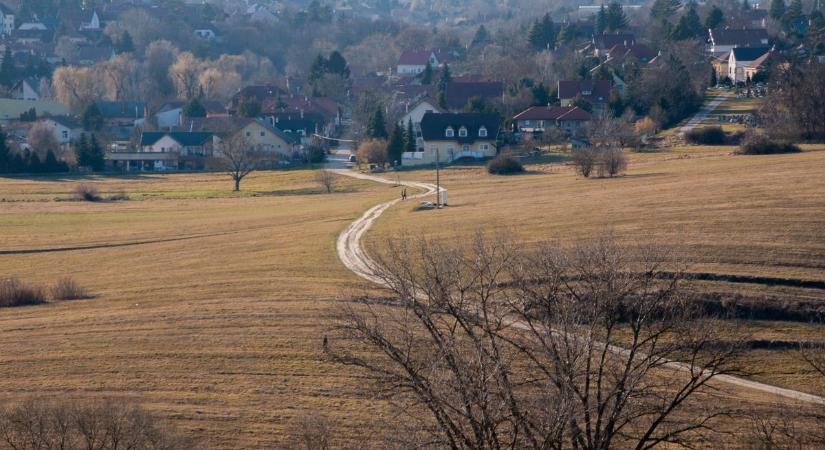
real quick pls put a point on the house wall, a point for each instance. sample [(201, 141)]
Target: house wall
[(266, 140), (410, 69), (164, 145), (447, 151), (169, 118)]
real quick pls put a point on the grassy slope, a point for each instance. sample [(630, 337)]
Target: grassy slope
[(721, 213), (220, 331)]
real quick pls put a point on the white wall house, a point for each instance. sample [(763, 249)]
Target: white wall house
[(415, 114), (412, 62), (744, 63), (6, 20), (64, 129)]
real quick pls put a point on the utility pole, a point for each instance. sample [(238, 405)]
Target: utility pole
[(437, 182)]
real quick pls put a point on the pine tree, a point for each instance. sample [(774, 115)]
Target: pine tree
[(564, 36), (777, 9), (34, 164), (7, 68), (125, 43), (481, 36), (395, 146), (81, 150), (5, 154), (376, 128), (92, 118), (689, 25), (601, 20), (336, 64), (715, 18), (410, 142), (794, 11), (249, 107), (443, 81), (664, 10), (427, 74), (616, 20), (541, 96), (96, 155), (745, 5), (318, 68), (52, 165), (542, 34), (194, 108)]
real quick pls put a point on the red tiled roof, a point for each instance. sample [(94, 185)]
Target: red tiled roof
[(610, 40), (459, 93), (414, 57), (639, 51), (740, 38)]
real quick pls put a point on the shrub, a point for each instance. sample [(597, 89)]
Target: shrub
[(759, 144), (504, 164), (120, 196), (102, 424), (706, 136), (612, 162), (316, 155), (584, 159), (68, 289), (88, 192), (15, 293)]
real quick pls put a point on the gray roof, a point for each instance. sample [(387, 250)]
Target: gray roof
[(121, 110), (749, 53), (434, 126), (184, 138)]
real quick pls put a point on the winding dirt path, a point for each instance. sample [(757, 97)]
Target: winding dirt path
[(355, 258)]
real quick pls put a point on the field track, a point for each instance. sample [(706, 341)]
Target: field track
[(355, 258)]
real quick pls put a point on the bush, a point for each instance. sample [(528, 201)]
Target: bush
[(102, 424), (612, 162), (316, 155), (759, 144), (68, 289), (504, 164), (706, 136), (15, 293), (584, 159), (88, 192)]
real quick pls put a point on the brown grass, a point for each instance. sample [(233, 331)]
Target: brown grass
[(67, 288)]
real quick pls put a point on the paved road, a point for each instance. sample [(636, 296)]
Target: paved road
[(338, 159), (705, 111), (357, 260)]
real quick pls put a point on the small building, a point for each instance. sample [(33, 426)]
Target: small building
[(451, 136), (11, 109), (459, 93), (537, 119), (27, 89), (65, 128), (603, 42), (413, 62), (595, 92), (169, 114), (415, 113), (122, 113), (6, 20), (744, 63)]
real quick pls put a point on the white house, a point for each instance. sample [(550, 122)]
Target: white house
[(745, 62), (723, 40), (169, 115), (416, 113), (93, 23), (64, 128), (27, 89), (451, 136), (413, 62), (6, 20)]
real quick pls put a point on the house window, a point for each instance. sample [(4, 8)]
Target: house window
[(585, 93), (462, 132), (482, 132), (466, 148), (248, 134), (263, 134), (65, 134), (484, 147), (450, 132)]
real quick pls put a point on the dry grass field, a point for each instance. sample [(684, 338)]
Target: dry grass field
[(720, 213), (209, 305)]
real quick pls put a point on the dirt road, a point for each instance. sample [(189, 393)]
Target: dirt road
[(356, 259)]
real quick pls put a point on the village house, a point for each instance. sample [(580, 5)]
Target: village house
[(122, 113), (11, 109), (601, 43), (259, 133), (29, 89), (458, 94), (414, 112), (451, 136), (65, 128), (595, 92), (537, 119), (6, 20), (160, 151), (413, 62), (723, 40), (745, 63)]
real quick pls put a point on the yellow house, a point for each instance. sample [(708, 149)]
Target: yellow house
[(449, 137), (263, 135)]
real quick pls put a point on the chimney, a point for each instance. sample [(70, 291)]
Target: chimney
[(302, 113), (191, 125)]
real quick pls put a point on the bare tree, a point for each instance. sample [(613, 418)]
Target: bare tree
[(548, 348), (104, 425), (312, 431), (239, 158), (612, 161), (41, 138), (185, 73), (121, 75), (77, 87), (373, 151), (584, 160), (326, 179)]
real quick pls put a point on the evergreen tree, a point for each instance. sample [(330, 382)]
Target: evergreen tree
[(395, 146), (7, 74), (318, 68), (336, 64), (664, 10), (794, 12), (194, 108), (689, 25), (616, 20), (541, 95), (96, 156), (564, 36), (33, 163), (715, 18), (542, 34), (92, 118), (409, 144), (376, 129), (777, 9), (481, 36), (124, 43), (601, 20), (5, 154), (443, 81), (427, 74), (81, 150), (745, 5), (52, 165)]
